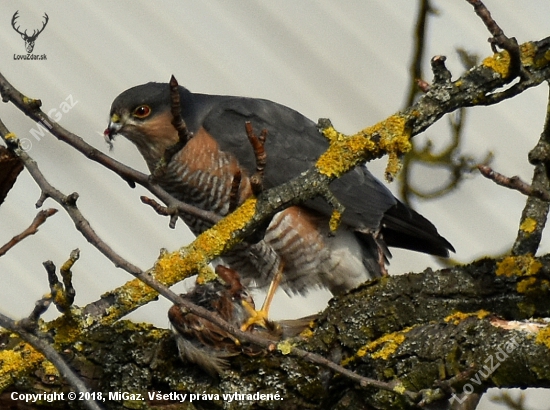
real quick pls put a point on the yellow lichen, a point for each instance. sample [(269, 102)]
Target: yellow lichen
[(399, 388), (16, 362), (49, 370), (523, 265), (332, 135), (68, 328), (342, 154), (394, 139), (458, 317), (216, 239), (10, 136), (528, 51), (526, 285), (335, 219), (543, 61), (285, 347), (528, 225), (543, 337), (499, 63), (383, 347), (31, 101), (206, 274), (390, 136), (306, 333)]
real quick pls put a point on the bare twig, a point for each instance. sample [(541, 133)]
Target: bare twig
[(234, 193), (415, 69), (500, 39), (513, 183), (184, 135), (38, 220), (171, 211), (62, 295), (256, 180), (40, 307), (512, 403), (67, 277)]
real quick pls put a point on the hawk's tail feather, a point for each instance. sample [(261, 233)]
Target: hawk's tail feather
[(403, 227)]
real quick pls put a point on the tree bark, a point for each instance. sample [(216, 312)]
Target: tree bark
[(445, 332)]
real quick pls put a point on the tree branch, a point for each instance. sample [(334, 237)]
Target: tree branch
[(38, 220)]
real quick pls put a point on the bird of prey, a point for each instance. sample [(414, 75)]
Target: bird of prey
[(298, 241)]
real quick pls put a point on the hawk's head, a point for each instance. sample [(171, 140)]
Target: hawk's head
[(142, 115)]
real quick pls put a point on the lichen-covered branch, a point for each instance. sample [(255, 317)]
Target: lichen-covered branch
[(435, 333), (535, 212)]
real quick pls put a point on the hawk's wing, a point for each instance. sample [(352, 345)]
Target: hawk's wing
[(293, 145)]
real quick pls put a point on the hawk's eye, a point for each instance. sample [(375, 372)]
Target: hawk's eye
[(142, 111)]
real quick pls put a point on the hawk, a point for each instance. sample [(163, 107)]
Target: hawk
[(297, 241)]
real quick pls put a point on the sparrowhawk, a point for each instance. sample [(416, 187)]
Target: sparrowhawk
[(298, 239)]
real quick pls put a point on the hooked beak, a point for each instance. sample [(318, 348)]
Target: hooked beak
[(114, 127)]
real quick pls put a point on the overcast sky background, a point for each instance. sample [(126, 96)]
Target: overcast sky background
[(346, 60)]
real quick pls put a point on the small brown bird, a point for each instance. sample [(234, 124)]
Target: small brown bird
[(205, 344)]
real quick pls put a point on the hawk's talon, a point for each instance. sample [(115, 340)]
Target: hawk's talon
[(257, 317), (260, 317)]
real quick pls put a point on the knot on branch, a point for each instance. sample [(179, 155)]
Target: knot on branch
[(441, 74)]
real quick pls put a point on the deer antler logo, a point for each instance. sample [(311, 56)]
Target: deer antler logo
[(29, 40)]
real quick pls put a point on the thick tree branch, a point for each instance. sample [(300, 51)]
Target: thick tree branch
[(43, 346), (433, 333)]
